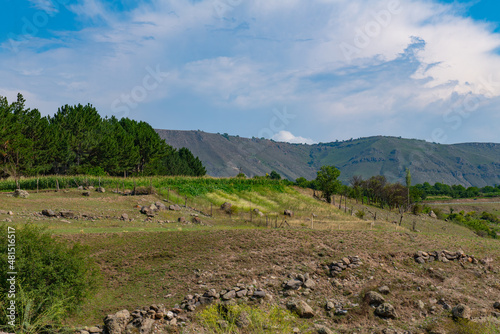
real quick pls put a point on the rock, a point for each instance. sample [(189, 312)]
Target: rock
[(100, 190), (320, 329), (386, 310), (49, 213), (497, 305), (153, 208), (67, 214), (346, 261), (302, 309), (293, 284), (161, 206), (374, 298), (124, 217), (259, 294), (229, 295), (86, 193), (226, 207), (116, 323), (432, 214), (181, 220), (10, 213), (169, 315), (420, 260), (144, 210), (384, 290), (21, 193), (241, 293), (329, 306), (461, 311), (95, 330), (309, 284), (420, 305), (243, 320), (3, 212), (174, 207), (288, 213), (196, 220)]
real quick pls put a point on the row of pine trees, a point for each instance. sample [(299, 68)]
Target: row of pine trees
[(77, 140)]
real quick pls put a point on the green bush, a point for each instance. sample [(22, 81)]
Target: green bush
[(53, 278), (222, 318)]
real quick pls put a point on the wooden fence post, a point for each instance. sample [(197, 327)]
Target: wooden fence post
[(37, 185)]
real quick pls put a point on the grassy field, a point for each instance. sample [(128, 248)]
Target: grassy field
[(158, 260)]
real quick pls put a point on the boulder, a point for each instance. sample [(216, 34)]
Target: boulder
[(302, 309), (461, 311), (67, 214), (196, 220), (174, 207), (309, 284), (21, 193), (181, 220), (229, 295), (100, 190), (161, 206), (116, 323), (432, 214), (49, 213), (374, 298), (293, 284), (124, 217), (384, 290), (386, 310)]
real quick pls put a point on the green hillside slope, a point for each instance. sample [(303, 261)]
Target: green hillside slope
[(471, 164)]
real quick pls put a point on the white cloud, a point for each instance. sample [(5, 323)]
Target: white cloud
[(288, 137), (258, 55)]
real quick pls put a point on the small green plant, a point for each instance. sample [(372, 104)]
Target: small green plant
[(360, 214), (463, 326), (242, 318)]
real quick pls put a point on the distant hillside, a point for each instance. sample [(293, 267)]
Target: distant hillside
[(471, 164)]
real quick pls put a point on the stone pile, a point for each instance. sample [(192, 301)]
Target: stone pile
[(351, 262), (20, 193), (444, 256), (191, 302), (151, 210), (299, 282)]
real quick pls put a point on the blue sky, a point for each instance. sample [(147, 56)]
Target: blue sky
[(291, 70)]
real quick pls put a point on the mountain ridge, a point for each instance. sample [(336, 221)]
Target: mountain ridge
[(468, 164)]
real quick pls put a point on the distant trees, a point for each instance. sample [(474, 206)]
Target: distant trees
[(274, 175), (77, 140)]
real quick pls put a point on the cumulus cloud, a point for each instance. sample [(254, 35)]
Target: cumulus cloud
[(288, 137), (337, 62)]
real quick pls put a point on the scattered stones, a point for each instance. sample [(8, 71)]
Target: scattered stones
[(288, 213), (374, 298), (461, 311), (351, 262), (443, 256), (20, 193), (386, 310)]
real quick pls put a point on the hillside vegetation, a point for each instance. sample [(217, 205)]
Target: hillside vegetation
[(158, 259), (472, 164)]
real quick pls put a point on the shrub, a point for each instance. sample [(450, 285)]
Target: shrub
[(360, 214), (222, 318), (53, 277)]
